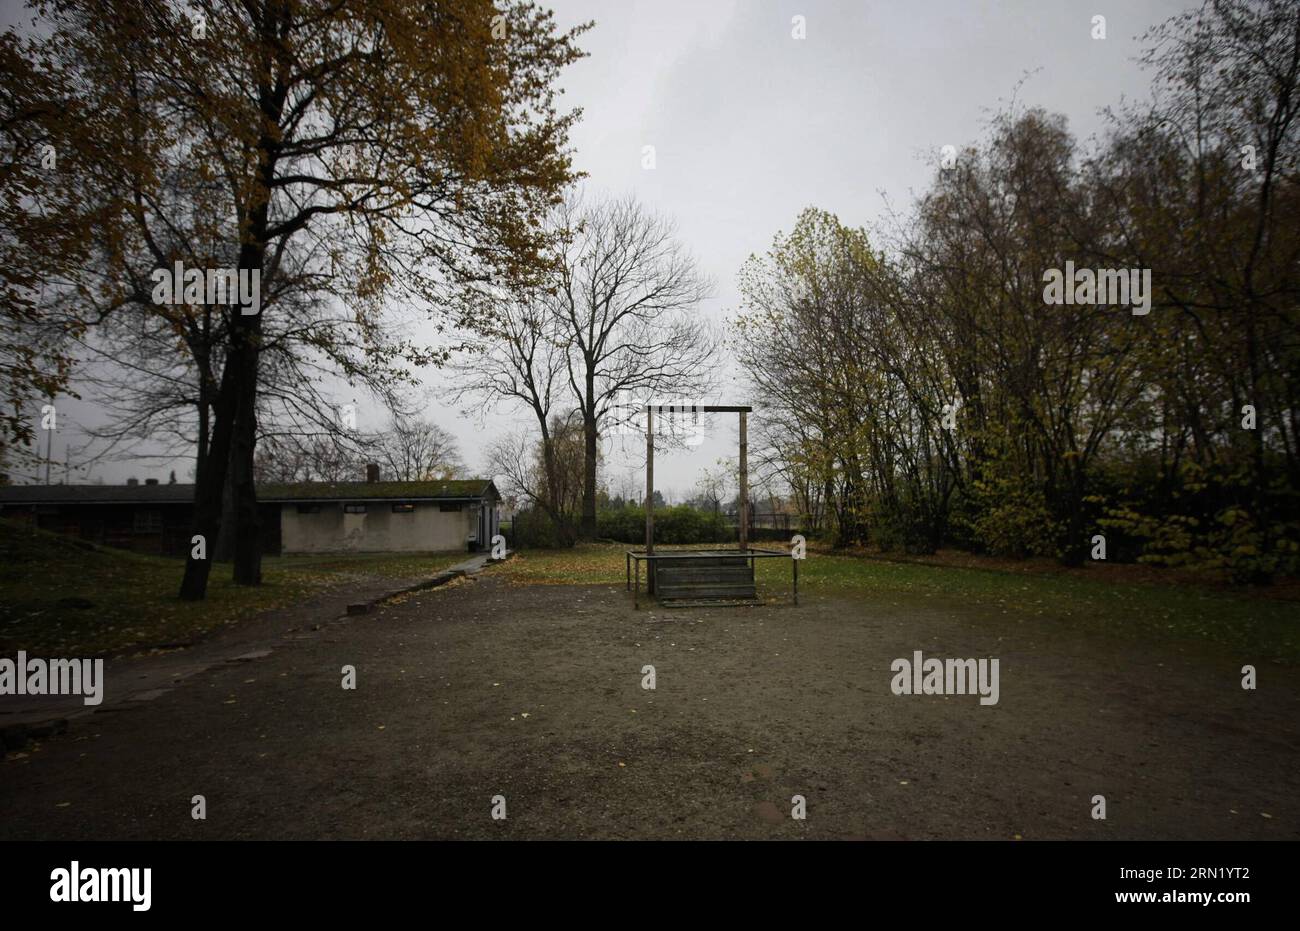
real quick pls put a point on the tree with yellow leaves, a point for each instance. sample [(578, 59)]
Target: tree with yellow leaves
[(376, 153)]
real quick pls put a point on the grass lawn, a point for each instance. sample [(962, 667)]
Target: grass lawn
[(1103, 599), (65, 597)]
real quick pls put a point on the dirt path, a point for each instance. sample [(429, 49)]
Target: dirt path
[(143, 674), (533, 693)]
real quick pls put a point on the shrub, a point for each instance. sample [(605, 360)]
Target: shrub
[(1013, 520), (673, 525), (534, 529)]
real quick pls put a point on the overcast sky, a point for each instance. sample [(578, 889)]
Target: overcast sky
[(751, 125)]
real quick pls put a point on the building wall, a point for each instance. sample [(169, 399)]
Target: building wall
[(156, 529), (153, 529), (331, 530)]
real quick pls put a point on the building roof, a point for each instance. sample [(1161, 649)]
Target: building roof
[(460, 489), (397, 491), (96, 494)]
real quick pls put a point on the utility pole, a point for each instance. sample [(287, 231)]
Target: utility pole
[(649, 481), (744, 481), (49, 445)]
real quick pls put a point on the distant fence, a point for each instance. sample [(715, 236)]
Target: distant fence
[(679, 525)]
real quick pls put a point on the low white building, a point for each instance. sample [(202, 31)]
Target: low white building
[(385, 517), (305, 517)]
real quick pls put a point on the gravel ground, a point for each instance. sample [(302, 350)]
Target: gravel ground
[(485, 688)]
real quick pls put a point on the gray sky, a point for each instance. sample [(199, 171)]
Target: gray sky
[(751, 125)]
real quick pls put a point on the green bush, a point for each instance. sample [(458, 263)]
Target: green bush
[(534, 529), (1208, 523), (673, 525), (1013, 519)]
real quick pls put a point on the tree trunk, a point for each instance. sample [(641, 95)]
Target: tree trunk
[(589, 435), (224, 550), (1077, 547), (589, 482), (248, 524), (231, 448), (210, 474)]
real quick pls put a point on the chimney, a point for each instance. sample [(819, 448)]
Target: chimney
[(372, 472), (133, 481), (151, 481)]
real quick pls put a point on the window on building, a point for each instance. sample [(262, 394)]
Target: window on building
[(403, 508), (354, 509), (449, 507), (148, 522), (309, 509)]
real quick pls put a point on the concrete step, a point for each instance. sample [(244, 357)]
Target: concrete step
[(664, 589), (709, 602), (707, 590)]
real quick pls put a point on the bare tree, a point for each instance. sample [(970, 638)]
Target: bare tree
[(549, 479), (711, 489), (416, 450), (520, 361), (616, 319), (626, 307), (311, 459)]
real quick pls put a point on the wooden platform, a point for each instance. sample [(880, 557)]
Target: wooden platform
[(699, 578)]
